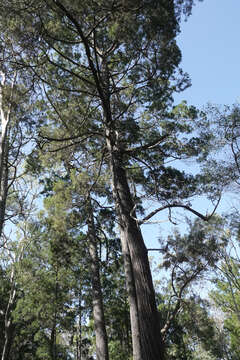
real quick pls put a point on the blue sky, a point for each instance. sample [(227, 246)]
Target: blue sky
[(210, 45)]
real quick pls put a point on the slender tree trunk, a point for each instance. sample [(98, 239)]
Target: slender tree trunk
[(147, 321), (4, 145), (3, 167), (3, 179), (8, 324), (8, 341), (79, 327), (53, 344), (98, 311)]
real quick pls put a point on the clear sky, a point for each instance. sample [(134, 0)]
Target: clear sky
[(210, 45)]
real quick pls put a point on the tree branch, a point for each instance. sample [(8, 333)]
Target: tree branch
[(178, 205), (146, 146)]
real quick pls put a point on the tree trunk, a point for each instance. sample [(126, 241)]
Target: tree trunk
[(8, 341), (3, 169), (132, 298), (4, 145), (53, 344), (98, 311), (79, 328), (151, 345), (8, 324)]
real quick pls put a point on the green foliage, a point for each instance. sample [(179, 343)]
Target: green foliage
[(226, 297), (192, 335), (192, 255)]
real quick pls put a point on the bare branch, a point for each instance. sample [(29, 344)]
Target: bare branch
[(183, 206)]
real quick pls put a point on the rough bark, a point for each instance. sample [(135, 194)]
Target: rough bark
[(145, 322), (98, 311), (132, 298), (148, 325)]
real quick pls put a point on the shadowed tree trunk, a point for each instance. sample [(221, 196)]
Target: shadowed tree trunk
[(132, 298)]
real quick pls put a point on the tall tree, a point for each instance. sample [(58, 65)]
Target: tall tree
[(123, 60)]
